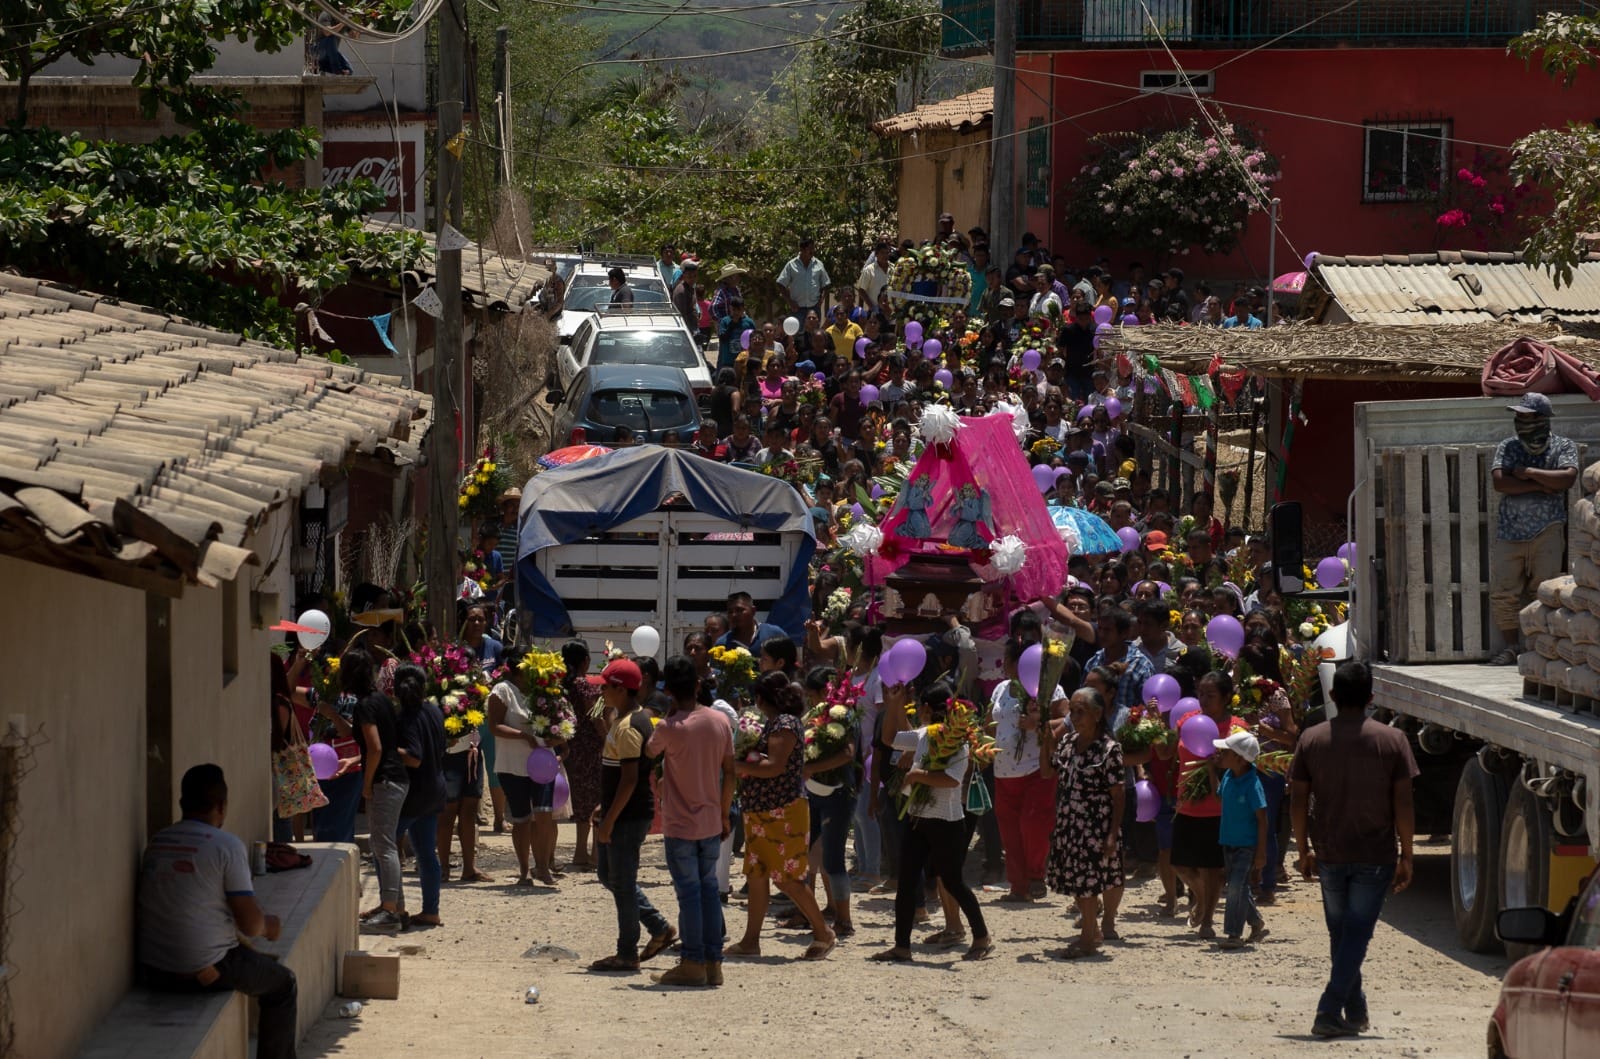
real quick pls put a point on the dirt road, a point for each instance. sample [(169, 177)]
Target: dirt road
[(1159, 992)]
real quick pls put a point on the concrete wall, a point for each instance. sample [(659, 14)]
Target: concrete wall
[(399, 73), (75, 649), (944, 172), (235, 58)]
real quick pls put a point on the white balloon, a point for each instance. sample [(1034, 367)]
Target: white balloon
[(321, 625), (646, 641), (791, 325)]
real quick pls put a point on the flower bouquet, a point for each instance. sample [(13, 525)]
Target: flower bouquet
[(542, 673), (837, 606), (1051, 666), (481, 487), (813, 392), (961, 727), (746, 735), (736, 670), (325, 678), (457, 685), (1275, 762), (1044, 449), (1196, 786), (1145, 728), (477, 569), (830, 727)]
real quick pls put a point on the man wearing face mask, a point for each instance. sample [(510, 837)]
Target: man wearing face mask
[(1532, 472)]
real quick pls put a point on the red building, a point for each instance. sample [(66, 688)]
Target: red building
[(1371, 108)]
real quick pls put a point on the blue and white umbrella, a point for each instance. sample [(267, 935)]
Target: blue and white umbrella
[(1085, 532)]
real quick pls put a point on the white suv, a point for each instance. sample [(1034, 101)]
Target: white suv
[(643, 336), (589, 292)]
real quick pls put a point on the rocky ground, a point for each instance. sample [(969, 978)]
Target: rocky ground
[(1158, 992)]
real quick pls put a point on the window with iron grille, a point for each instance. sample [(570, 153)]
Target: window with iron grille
[(1038, 194), (1405, 161)]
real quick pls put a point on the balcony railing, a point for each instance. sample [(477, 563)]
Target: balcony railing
[(1066, 24)]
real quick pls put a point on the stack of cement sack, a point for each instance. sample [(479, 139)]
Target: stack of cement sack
[(1561, 629)]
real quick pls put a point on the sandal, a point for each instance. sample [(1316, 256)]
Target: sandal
[(1015, 898), (946, 937), (1076, 951), (614, 964), (797, 921), (739, 948), (847, 930), (477, 876), (890, 956), (1109, 934), (818, 950), (658, 944), (979, 951)]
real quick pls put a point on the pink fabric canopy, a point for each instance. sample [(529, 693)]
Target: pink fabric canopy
[(984, 454)]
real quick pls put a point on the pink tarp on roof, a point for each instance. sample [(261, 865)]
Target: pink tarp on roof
[(985, 453)]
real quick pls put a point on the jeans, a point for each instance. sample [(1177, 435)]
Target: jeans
[(244, 970), (893, 828), (1241, 903), (830, 823), (1352, 901), (383, 830), (940, 847), (869, 837), (618, 869), (1275, 788), (336, 821), (692, 863), (1025, 809), (424, 832)]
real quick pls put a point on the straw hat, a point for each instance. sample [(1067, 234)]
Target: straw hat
[(730, 270)]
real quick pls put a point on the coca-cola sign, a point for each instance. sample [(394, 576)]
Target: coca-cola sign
[(392, 166)]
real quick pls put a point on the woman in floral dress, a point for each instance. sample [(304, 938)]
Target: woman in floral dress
[(1085, 856), (777, 817), (583, 753)]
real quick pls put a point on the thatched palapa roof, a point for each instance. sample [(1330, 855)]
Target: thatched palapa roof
[(1373, 352)]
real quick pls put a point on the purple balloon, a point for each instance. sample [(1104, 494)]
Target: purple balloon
[(1149, 801), (862, 345), (1030, 360), (932, 348), (1103, 329), (1197, 734), (818, 376), (877, 491), (744, 343), (1347, 552), (1129, 538), (542, 765), (1166, 589), (857, 511), (869, 393), (1181, 709), (1163, 688), (1331, 572), (324, 760), (903, 662), (1113, 407), (944, 378), (913, 333), (1310, 260), (1063, 472), (562, 793), (1086, 411), (1102, 314), (1225, 635), (1129, 320), (1044, 477), (1028, 667)]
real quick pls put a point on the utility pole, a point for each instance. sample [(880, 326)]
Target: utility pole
[(1003, 168), (1272, 254), (444, 458), (502, 106)]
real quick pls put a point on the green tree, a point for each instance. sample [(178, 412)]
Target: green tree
[(1565, 161)]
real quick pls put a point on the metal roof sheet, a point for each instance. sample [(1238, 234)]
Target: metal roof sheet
[(1457, 287)]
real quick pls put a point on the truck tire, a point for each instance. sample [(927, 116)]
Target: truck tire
[(1526, 841), (1475, 856)]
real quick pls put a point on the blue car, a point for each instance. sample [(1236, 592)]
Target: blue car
[(648, 399)]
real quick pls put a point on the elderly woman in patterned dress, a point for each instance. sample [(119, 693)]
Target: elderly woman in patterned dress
[(1085, 860)]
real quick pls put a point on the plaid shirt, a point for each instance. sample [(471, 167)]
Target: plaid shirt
[(1131, 686)]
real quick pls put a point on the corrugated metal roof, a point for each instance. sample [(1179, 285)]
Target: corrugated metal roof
[(140, 448), (1457, 287), (958, 114)]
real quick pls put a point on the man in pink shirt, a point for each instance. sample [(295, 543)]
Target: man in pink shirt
[(696, 797)]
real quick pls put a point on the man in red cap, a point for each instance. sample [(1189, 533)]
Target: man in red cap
[(622, 819)]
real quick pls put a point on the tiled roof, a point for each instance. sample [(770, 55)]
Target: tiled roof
[(963, 113), (1458, 287), (143, 449), (489, 280)]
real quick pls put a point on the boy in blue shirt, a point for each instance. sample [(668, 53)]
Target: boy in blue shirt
[(1243, 835)]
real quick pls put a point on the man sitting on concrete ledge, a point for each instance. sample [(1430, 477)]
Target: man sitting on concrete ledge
[(195, 899)]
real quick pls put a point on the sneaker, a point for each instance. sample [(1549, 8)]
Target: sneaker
[(1360, 1025), (1506, 657), (686, 973), (384, 922), (714, 973), (1332, 1026), (1231, 943)]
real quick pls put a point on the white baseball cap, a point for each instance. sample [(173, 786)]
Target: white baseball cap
[(1242, 743)]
